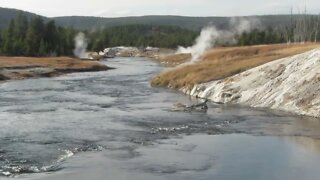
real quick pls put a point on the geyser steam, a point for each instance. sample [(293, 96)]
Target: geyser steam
[(205, 41), (210, 36), (81, 44)]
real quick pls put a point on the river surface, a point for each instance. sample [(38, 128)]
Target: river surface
[(113, 125)]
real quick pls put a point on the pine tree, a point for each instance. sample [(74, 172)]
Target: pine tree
[(20, 26), (42, 49), (34, 36), (50, 37), (8, 40)]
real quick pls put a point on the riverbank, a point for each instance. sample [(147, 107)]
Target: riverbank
[(12, 68), (257, 76), (222, 62), (290, 84)]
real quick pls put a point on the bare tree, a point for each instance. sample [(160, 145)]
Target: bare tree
[(316, 29)]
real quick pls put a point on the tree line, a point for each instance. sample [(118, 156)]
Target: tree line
[(37, 38), (303, 28), (141, 36), (34, 37), (258, 36)]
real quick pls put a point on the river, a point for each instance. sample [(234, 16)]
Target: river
[(114, 125)]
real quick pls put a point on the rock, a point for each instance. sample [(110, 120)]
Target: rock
[(3, 77)]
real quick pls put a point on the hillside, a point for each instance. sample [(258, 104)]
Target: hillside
[(7, 14), (192, 23), (290, 84)]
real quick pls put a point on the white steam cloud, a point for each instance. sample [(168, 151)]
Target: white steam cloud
[(205, 41), (81, 44), (210, 36)]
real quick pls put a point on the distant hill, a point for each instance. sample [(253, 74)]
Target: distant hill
[(7, 14), (192, 23)]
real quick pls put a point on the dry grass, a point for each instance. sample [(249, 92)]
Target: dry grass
[(22, 67), (51, 62), (223, 62), (174, 59)]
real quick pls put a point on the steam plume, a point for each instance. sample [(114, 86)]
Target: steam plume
[(205, 41), (81, 44), (210, 36)]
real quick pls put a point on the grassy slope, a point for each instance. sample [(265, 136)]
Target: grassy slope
[(173, 59), (223, 62)]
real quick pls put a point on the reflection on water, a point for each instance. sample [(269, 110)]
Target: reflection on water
[(227, 157), (279, 124), (308, 143)]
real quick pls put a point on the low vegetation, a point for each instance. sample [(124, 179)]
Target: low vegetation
[(26, 67), (173, 59), (52, 62), (223, 62)]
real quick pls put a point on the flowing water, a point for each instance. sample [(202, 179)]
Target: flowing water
[(113, 125)]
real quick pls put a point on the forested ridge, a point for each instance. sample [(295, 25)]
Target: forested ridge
[(191, 23), (38, 37), (35, 37), (142, 36)]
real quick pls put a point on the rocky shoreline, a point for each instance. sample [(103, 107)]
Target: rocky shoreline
[(290, 84)]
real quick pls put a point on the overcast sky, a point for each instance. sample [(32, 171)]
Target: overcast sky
[(119, 8)]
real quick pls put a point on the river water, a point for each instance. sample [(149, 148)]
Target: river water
[(113, 125)]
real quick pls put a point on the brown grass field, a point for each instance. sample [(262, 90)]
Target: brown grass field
[(21, 67), (53, 62), (174, 59), (219, 63)]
